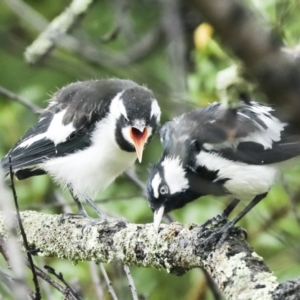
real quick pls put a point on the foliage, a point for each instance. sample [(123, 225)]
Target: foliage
[(272, 227)]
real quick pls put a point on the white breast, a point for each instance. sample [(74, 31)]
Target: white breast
[(245, 181), (93, 169)]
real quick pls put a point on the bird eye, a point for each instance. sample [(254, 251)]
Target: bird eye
[(164, 190)]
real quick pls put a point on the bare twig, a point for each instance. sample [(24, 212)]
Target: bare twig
[(27, 13), (39, 272), (212, 286), (96, 280), (69, 290), (131, 283), (108, 282), (131, 174), (13, 96), (16, 264), (66, 205), (294, 199), (173, 29), (38, 295), (56, 30), (11, 283)]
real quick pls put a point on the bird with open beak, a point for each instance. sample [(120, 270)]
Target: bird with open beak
[(90, 133)]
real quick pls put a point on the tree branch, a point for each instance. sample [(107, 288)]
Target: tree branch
[(56, 30), (234, 266)]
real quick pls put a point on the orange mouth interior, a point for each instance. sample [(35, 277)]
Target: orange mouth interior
[(139, 139)]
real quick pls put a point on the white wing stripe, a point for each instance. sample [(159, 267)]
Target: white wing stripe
[(57, 132)]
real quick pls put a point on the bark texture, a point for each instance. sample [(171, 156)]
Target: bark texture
[(237, 269)]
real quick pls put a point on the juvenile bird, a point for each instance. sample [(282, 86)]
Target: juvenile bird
[(219, 151), (90, 133)]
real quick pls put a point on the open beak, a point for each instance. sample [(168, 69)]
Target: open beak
[(139, 137), (158, 214)]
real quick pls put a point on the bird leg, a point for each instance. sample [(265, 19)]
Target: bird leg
[(82, 212), (222, 232), (222, 218), (103, 218), (253, 203), (92, 204)]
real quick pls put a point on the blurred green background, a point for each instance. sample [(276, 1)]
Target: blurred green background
[(181, 70)]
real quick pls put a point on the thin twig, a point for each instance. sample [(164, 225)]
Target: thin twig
[(13, 96), (61, 25), (60, 204), (11, 248), (131, 283), (11, 282), (294, 199), (108, 282), (176, 49), (96, 280), (131, 174), (38, 295), (68, 290), (212, 286)]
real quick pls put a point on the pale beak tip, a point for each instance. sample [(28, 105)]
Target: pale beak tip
[(158, 214), (156, 228), (140, 157)]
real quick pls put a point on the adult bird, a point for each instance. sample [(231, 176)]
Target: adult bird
[(89, 134), (218, 151)]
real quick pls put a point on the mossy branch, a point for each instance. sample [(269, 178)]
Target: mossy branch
[(234, 266)]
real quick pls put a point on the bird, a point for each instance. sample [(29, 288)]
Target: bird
[(216, 150), (90, 133)]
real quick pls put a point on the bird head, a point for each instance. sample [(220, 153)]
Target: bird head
[(167, 188), (137, 119)]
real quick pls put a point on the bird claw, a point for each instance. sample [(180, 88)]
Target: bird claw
[(66, 216), (221, 227), (91, 221), (228, 229), (220, 232), (103, 220), (217, 221)]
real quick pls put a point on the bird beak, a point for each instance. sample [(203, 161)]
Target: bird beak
[(158, 214), (139, 136)]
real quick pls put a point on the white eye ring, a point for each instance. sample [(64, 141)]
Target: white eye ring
[(163, 190)]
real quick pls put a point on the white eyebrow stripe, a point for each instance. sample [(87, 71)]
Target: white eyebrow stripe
[(174, 175), (155, 110), (155, 184)]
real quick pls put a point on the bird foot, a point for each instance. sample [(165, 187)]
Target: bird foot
[(67, 216), (217, 221), (220, 231), (102, 220), (218, 228)]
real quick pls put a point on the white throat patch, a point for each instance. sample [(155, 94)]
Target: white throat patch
[(174, 174)]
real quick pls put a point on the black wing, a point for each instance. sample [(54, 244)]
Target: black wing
[(250, 134), (26, 158), (84, 103)]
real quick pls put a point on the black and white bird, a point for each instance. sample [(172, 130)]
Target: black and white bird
[(90, 133), (219, 151)]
